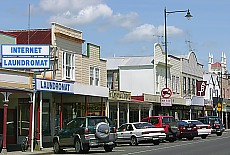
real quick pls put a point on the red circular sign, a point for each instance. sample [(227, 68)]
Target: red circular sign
[(166, 93)]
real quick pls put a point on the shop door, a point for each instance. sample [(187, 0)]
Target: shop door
[(11, 137)]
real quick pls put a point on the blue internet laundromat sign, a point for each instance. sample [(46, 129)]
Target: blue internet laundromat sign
[(26, 56)]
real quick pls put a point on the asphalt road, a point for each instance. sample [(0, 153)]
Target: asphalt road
[(212, 145)]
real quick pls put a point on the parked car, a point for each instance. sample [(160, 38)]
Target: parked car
[(203, 129), (139, 132), (167, 122), (187, 130), (215, 124), (82, 133)]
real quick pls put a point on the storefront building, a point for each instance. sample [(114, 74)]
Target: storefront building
[(74, 84), (124, 108), (16, 106)]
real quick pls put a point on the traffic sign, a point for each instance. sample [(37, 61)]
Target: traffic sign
[(219, 107), (166, 93), (166, 102)]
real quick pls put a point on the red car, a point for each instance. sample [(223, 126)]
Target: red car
[(167, 122), (187, 130)]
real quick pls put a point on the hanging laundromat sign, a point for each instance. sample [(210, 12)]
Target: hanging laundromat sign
[(28, 56)]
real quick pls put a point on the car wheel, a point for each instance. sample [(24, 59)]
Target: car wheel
[(156, 142), (204, 136), (219, 133), (172, 140), (77, 146), (56, 147), (133, 141), (108, 148), (86, 148), (190, 138)]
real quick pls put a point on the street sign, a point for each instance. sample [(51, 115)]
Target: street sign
[(166, 93), (219, 107), (166, 102)]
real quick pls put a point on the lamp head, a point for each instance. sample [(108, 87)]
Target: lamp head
[(188, 15)]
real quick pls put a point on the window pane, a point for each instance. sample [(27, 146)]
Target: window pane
[(46, 119), (24, 117), (91, 75), (96, 76)]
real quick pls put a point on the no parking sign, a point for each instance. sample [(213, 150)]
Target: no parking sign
[(166, 93)]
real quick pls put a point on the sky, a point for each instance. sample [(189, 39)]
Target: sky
[(130, 27)]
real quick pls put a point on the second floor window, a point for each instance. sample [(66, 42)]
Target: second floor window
[(177, 85), (97, 76), (193, 87), (173, 84), (68, 66), (94, 78), (91, 78), (189, 86), (184, 85)]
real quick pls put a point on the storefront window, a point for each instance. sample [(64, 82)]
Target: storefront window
[(94, 109), (69, 111)]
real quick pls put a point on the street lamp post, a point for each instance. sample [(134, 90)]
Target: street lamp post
[(188, 16)]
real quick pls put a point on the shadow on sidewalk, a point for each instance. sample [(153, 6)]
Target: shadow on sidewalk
[(17, 147)]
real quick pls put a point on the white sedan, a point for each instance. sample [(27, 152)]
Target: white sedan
[(138, 132), (203, 129)]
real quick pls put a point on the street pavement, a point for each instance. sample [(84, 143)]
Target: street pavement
[(97, 151)]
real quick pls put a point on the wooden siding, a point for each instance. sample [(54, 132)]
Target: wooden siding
[(68, 45), (191, 69), (16, 79), (93, 59), (159, 54), (191, 66), (159, 66), (175, 70)]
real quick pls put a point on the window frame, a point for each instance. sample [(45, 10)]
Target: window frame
[(184, 85), (68, 66), (94, 76)]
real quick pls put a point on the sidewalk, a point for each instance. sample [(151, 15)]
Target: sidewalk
[(47, 150), (43, 151)]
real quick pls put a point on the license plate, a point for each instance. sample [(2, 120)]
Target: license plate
[(170, 135), (188, 128), (94, 141)]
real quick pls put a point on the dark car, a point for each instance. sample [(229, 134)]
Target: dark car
[(167, 122), (82, 133), (215, 124), (187, 130)]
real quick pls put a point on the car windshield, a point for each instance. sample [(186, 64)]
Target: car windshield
[(182, 123), (213, 120), (167, 120), (143, 125), (196, 122)]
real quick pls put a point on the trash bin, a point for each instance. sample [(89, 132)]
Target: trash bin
[(0, 142)]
